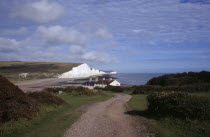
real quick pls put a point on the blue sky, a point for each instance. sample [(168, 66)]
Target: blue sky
[(122, 35)]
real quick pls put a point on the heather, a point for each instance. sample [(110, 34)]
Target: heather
[(46, 98), (14, 103), (179, 105)]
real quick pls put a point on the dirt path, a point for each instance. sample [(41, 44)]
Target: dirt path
[(108, 119)]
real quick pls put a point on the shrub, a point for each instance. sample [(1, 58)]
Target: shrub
[(46, 98), (53, 90), (14, 103), (146, 89), (114, 88), (179, 105), (69, 89), (78, 91), (181, 79)]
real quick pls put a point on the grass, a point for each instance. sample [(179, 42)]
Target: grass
[(35, 70), (169, 126), (205, 94), (52, 121), (138, 102)]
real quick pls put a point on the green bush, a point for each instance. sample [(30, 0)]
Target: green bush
[(179, 105), (181, 79), (114, 88), (146, 89), (77, 91)]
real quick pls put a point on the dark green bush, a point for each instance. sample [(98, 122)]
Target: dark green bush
[(179, 105), (114, 88), (78, 91), (146, 89), (181, 79), (53, 90)]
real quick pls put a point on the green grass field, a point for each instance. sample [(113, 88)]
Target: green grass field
[(168, 126), (35, 70), (52, 121)]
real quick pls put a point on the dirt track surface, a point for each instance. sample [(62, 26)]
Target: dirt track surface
[(108, 119)]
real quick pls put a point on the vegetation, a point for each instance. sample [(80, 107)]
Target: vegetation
[(192, 82), (180, 105), (116, 89), (33, 114), (76, 91), (12, 97), (168, 126), (45, 98), (51, 118), (36, 70), (146, 89), (175, 104), (181, 79)]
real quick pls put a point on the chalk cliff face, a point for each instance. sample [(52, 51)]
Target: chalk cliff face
[(81, 71)]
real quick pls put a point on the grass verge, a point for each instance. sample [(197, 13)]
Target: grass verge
[(52, 121), (204, 94), (168, 126)]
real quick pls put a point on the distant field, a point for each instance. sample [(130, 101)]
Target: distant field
[(20, 71)]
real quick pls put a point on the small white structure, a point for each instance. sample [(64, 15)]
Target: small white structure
[(23, 75), (101, 83), (115, 83)]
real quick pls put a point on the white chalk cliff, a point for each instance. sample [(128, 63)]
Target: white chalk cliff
[(81, 71)]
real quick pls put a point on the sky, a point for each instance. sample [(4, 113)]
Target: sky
[(131, 36)]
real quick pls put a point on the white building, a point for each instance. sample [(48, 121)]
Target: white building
[(101, 83)]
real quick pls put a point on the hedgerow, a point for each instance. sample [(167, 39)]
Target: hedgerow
[(146, 89), (181, 105), (78, 91)]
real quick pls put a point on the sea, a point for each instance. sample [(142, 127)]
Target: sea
[(135, 78)]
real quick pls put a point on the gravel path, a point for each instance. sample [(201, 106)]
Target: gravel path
[(108, 119)]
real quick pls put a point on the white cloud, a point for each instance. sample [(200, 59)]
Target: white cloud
[(60, 34), (18, 31), (61, 43), (40, 11), (76, 50), (103, 33), (137, 30), (8, 45), (98, 57)]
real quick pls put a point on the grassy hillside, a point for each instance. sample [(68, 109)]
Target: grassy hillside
[(179, 79), (14, 70), (35, 114)]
